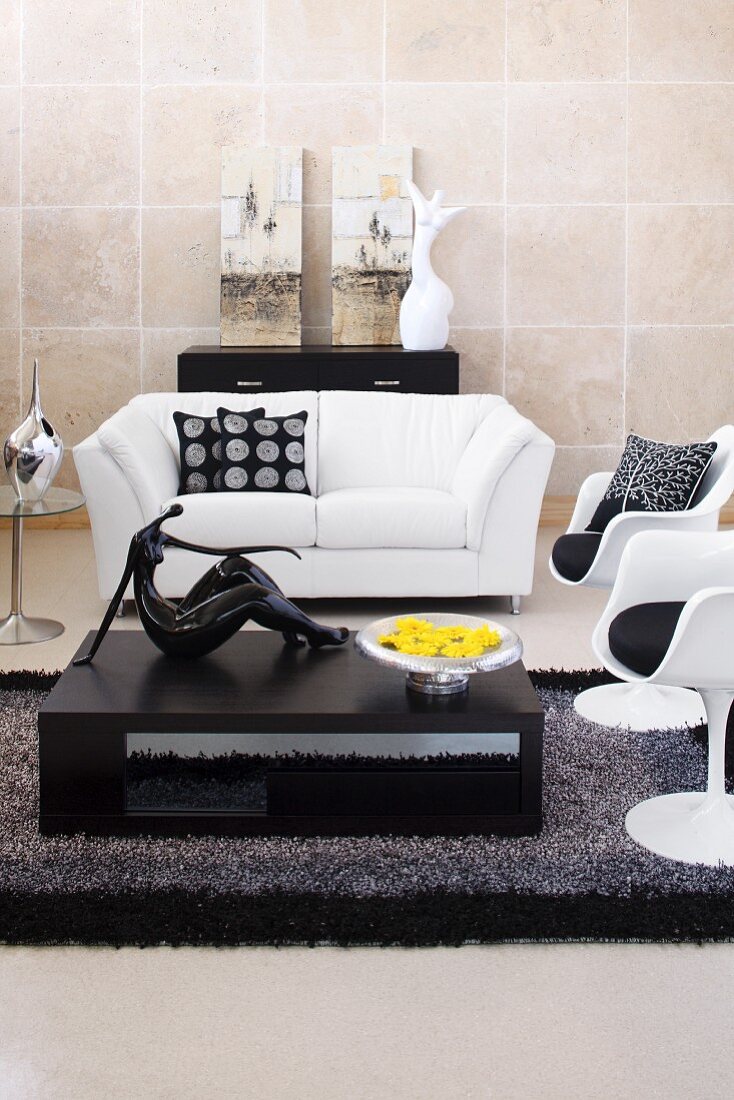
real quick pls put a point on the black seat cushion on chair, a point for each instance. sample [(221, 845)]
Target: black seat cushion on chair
[(573, 554), (640, 636)]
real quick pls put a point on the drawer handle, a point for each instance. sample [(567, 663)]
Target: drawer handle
[(249, 383), (387, 382)]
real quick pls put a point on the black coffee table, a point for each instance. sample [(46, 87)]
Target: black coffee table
[(324, 743)]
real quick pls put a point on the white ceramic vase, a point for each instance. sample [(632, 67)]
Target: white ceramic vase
[(428, 301)]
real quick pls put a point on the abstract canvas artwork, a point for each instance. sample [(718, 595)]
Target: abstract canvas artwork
[(261, 246), (372, 227)]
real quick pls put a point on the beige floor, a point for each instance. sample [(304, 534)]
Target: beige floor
[(586, 1021)]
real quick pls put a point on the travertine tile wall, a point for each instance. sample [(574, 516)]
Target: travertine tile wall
[(593, 141)]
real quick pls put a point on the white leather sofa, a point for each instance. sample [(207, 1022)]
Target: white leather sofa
[(413, 494)]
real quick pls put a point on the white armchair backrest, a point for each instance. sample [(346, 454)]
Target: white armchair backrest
[(701, 652), (718, 483)]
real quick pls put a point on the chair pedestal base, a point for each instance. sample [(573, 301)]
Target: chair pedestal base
[(641, 706), (690, 827)]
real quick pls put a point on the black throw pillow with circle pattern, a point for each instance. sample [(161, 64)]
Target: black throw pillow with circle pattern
[(200, 449), (263, 453), (654, 477)]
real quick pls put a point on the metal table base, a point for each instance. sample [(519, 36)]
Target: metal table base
[(16, 628)]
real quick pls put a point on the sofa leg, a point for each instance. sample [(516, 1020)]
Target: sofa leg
[(120, 613), (515, 602)]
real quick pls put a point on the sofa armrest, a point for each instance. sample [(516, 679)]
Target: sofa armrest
[(506, 559), (114, 512), (141, 451), (494, 445)]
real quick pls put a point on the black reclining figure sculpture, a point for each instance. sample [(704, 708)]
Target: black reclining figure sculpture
[(231, 592)]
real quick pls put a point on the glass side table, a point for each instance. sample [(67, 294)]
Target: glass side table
[(15, 628)]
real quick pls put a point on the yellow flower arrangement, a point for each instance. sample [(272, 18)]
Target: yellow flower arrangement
[(420, 638)]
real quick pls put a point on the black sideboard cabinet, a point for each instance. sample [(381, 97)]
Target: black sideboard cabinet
[(318, 367)]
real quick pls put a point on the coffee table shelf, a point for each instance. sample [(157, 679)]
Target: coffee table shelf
[(263, 692)]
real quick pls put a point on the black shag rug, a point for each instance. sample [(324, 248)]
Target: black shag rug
[(581, 879)]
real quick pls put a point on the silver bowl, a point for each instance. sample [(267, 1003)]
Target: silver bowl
[(438, 675)]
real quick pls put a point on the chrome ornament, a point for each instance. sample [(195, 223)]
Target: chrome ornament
[(33, 452)]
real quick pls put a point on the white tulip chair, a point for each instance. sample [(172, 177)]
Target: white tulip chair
[(669, 623), (642, 705)]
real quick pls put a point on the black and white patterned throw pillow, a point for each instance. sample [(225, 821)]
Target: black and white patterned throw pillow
[(654, 477), (264, 453), (200, 449)]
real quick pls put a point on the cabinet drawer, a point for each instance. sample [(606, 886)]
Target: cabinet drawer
[(248, 375), (424, 377)]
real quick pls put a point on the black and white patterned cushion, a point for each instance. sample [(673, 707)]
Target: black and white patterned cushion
[(200, 450), (263, 454), (654, 477)]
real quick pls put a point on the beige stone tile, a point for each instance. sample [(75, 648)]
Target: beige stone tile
[(316, 283), (320, 335), (84, 43), (566, 143), (567, 40), (681, 143), (480, 359), (569, 381), (181, 268), (86, 376), (681, 265), (9, 145), (457, 131), (680, 381), (9, 268), (9, 41), (184, 129), (688, 41), (572, 465), (318, 117), (438, 41), (565, 265), (468, 255), (81, 146), (80, 267), (10, 397), (161, 347), (201, 41), (323, 40)]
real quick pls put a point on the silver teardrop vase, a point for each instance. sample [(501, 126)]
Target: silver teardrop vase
[(33, 452)]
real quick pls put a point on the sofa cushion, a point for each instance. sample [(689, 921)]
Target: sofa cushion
[(640, 636), (390, 517), (200, 452), (160, 407), (396, 439), (245, 519), (573, 555), (263, 454)]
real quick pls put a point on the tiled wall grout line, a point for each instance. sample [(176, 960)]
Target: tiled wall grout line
[(498, 327), (262, 71), (368, 83), (383, 132), (327, 205)]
